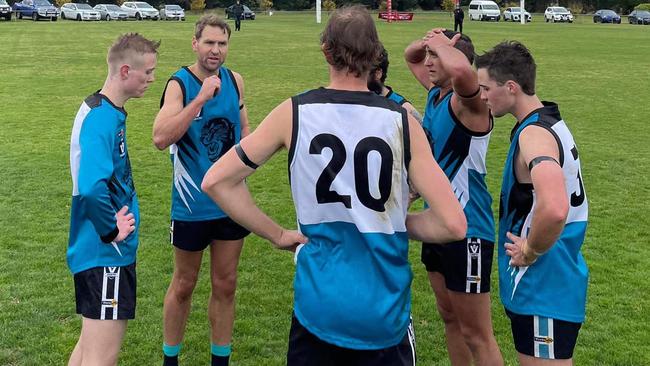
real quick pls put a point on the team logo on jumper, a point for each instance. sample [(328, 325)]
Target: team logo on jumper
[(547, 340), (218, 136), (121, 143)]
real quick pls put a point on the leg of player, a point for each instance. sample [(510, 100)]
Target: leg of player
[(525, 360), (178, 300), (459, 353), (224, 258), (475, 319), (99, 343)]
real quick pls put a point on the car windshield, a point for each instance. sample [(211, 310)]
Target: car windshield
[(246, 8), (112, 7), (515, 10), (3, 2), (173, 7), (609, 12), (84, 7), (490, 7), (143, 6), (560, 9), (42, 3), (643, 13)]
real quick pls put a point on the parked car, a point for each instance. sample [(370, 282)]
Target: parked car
[(5, 10), (111, 12), (140, 10), (248, 13), (639, 17), (172, 12), (35, 9), (558, 14), (607, 16), (484, 10), (79, 11), (514, 14)]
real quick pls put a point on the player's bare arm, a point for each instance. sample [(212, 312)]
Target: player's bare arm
[(243, 112), (414, 55), (412, 111), (539, 151), (173, 119), (224, 182), (466, 101), (444, 220)]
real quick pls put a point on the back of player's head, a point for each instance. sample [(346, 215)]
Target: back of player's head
[(464, 45), (128, 47), (212, 20), (350, 40), (510, 60)]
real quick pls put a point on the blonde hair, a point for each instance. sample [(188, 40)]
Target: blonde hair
[(129, 45), (212, 20)]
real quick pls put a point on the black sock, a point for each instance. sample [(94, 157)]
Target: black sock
[(220, 360), (170, 360)]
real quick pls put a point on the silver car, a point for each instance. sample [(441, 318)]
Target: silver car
[(172, 12), (78, 11), (111, 12), (140, 10)]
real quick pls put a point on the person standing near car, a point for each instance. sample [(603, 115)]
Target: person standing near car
[(202, 115), (238, 12), (459, 16)]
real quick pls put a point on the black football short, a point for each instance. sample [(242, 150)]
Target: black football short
[(466, 265), (542, 337), (305, 349), (195, 236), (106, 293)]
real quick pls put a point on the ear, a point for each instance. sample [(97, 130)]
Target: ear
[(195, 43), (124, 71), (328, 57), (512, 86)]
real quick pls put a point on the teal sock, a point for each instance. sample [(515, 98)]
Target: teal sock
[(171, 351), (221, 351)]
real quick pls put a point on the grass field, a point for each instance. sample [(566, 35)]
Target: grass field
[(597, 73)]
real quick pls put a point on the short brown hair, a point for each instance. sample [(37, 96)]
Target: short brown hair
[(128, 44), (464, 45), (510, 60), (212, 20), (350, 40)]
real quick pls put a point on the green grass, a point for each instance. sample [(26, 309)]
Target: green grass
[(597, 73)]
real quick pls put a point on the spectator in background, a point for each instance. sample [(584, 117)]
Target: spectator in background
[(238, 11), (459, 15)]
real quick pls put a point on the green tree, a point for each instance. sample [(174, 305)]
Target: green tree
[(266, 4), (197, 5), (329, 5), (448, 5)]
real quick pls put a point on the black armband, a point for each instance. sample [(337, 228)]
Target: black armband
[(244, 158), (477, 92), (538, 160), (110, 236)]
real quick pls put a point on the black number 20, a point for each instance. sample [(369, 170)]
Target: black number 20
[(361, 183)]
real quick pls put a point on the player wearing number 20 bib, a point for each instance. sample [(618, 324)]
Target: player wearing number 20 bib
[(348, 167), (556, 285)]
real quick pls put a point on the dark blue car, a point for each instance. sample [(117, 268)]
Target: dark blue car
[(606, 16), (639, 17)]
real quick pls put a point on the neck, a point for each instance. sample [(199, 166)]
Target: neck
[(525, 105), (202, 73), (112, 91), (343, 80)]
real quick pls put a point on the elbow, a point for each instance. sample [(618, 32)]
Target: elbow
[(159, 143), (555, 213), (458, 228)]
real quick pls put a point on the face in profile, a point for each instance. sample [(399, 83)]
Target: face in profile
[(141, 74), (496, 97), (211, 49)]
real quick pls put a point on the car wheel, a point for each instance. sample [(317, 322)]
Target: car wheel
[(62, 15), (78, 17), (34, 16), (54, 19), (595, 20), (138, 16), (546, 20), (108, 18), (552, 20)]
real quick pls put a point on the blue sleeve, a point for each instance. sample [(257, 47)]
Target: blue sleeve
[(96, 142)]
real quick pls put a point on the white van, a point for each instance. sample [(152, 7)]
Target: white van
[(484, 10)]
